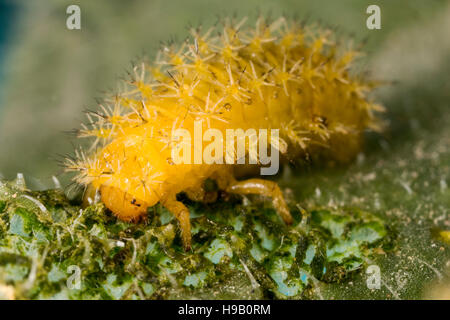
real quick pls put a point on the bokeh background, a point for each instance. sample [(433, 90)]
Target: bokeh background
[(49, 74)]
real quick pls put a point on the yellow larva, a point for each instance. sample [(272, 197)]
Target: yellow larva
[(275, 76)]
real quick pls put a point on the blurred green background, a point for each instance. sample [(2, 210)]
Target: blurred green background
[(50, 74)]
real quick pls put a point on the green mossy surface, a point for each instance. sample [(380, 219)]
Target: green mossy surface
[(239, 251)]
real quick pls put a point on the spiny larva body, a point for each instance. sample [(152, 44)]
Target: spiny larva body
[(274, 76)]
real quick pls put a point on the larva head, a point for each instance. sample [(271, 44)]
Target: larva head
[(276, 75)]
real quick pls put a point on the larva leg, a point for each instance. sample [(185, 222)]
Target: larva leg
[(197, 194), (265, 188), (180, 212), (200, 195)]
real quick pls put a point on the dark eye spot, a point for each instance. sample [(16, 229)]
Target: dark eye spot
[(135, 203)]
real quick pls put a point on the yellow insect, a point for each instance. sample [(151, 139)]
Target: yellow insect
[(275, 76)]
